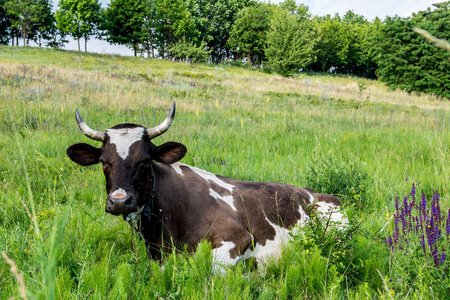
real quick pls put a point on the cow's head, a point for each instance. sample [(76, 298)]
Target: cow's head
[(126, 154)]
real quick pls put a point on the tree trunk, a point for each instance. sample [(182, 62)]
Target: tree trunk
[(79, 44), (24, 36), (85, 43), (249, 59)]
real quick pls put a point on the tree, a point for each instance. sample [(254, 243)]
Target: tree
[(45, 27), (212, 21), (173, 23), (24, 15), (248, 34), (5, 24), (149, 28), (291, 42), (346, 45), (79, 19), (408, 61), (124, 23)]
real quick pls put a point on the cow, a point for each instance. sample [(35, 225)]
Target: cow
[(174, 205)]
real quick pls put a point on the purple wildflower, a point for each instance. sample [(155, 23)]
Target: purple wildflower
[(447, 225), (423, 207), (435, 254), (422, 243)]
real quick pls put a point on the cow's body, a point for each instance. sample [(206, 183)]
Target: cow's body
[(173, 204)]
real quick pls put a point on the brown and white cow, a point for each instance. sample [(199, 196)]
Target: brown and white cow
[(173, 204)]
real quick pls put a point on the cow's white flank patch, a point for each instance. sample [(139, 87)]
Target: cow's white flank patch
[(303, 217), (207, 176), (222, 257), (337, 216), (227, 199), (272, 248), (311, 197), (123, 139), (177, 168)]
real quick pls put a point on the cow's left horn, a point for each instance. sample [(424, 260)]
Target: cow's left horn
[(90, 133), (161, 128)]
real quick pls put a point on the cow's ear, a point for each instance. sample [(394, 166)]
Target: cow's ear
[(170, 152), (84, 154)]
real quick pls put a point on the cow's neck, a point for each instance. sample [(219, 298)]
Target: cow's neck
[(145, 212), (148, 222)]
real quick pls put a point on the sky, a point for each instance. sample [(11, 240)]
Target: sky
[(368, 8)]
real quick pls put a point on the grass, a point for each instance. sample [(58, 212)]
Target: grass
[(263, 127)]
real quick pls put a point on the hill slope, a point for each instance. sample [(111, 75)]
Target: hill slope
[(342, 135)]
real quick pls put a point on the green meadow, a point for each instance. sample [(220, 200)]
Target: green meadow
[(338, 134)]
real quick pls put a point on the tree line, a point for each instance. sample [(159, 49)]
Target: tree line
[(284, 38)]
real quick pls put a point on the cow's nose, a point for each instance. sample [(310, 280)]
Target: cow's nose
[(120, 203)]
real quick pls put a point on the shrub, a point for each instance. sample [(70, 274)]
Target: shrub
[(189, 52), (347, 180)]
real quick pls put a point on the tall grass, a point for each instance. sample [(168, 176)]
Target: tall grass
[(234, 122)]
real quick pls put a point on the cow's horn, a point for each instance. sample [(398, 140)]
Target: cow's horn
[(161, 128), (90, 133)]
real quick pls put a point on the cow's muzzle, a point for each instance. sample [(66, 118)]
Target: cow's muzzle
[(121, 204)]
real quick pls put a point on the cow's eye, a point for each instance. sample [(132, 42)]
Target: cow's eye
[(105, 164)]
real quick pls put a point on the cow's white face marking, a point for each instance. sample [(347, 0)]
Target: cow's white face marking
[(222, 257), (123, 139), (227, 199)]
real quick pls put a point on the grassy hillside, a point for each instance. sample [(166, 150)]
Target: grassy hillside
[(344, 135)]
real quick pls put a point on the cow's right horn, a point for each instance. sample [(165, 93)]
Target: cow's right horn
[(90, 133), (161, 128)]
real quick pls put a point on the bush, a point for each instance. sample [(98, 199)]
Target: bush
[(189, 52), (346, 180)]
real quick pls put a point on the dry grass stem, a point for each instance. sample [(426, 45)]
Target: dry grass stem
[(19, 277), (437, 42)]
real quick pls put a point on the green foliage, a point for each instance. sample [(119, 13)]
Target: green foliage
[(5, 24), (79, 19), (24, 13), (174, 22), (264, 127), (189, 52), (408, 61), (248, 35), (346, 44), (124, 23), (212, 22), (344, 179), (290, 42)]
